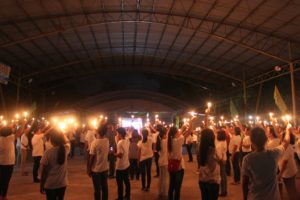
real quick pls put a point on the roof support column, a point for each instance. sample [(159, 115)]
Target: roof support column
[(292, 71), (293, 93), (258, 98), (245, 93), (3, 100), (18, 92)]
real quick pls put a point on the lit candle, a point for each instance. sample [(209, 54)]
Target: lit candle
[(209, 104), (25, 114)]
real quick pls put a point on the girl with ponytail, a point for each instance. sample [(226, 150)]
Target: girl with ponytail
[(176, 163), (54, 166)]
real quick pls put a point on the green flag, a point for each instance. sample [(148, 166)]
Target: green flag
[(33, 107), (233, 110), (279, 101)]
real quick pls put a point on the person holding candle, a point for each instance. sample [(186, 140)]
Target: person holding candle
[(209, 171), (234, 150), (54, 178), (98, 165), (288, 168), (134, 155), (122, 164), (221, 149), (7, 159), (24, 151), (176, 163), (273, 140), (245, 144), (8, 137), (37, 142), (111, 135), (259, 169), (145, 159), (162, 149)]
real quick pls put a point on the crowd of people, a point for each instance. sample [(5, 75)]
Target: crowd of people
[(262, 158)]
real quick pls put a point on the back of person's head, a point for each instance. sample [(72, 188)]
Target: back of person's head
[(237, 130), (122, 132), (207, 142), (6, 131), (57, 139), (145, 133), (102, 130), (172, 132), (258, 137), (272, 131), (221, 135), (161, 134), (292, 137), (135, 134)]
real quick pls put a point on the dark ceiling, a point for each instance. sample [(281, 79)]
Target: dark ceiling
[(73, 49)]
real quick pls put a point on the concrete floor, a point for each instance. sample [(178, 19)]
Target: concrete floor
[(80, 185)]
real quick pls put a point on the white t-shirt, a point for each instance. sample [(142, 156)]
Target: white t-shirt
[(273, 143), (163, 154), (123, 148), (48, 145), (146, 149), (57, 174), (90, 137), (82, 137), (37, 145), (291, 167), (261, 168), (211, 171), (235, 140), (154, 137), (221, 149), (246, 141), (99, 148), (177, 150), (7, 150), (24, 142), (189, 139)]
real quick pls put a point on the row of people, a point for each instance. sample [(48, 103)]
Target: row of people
[(212, 157)]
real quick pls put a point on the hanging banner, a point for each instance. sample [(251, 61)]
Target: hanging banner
[(4, 73)]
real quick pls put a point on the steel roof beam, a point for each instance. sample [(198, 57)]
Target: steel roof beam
[(164, 29), (75, 14), (212, 32), (259, 41), (49, 69), (148, 31), (178, 32), (218, 37), (194, 33), (233, 30)]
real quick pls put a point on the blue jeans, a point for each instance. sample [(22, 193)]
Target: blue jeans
[(100, 185), (175, 184), (209, 191), (223, 185)]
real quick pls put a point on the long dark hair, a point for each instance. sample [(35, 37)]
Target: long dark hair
[(145, 133), (162, 132), (102, 130), (173, 130), (58, 140), (272, 131), (206, 143)]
